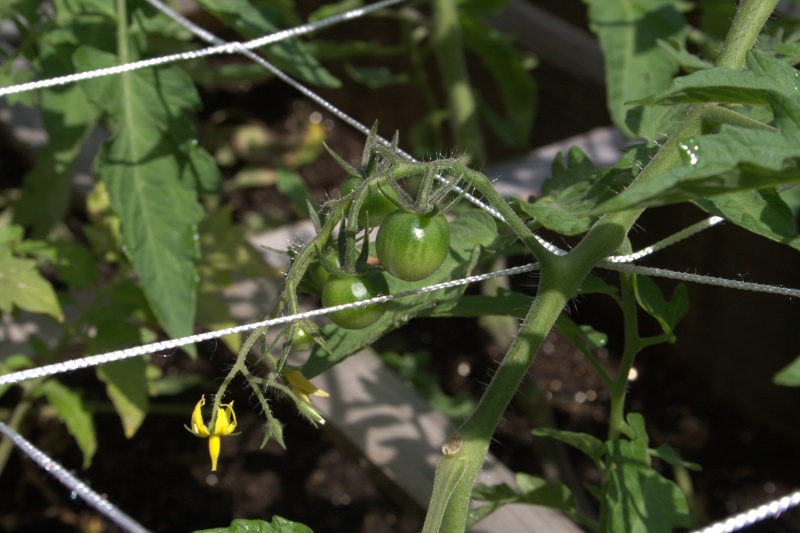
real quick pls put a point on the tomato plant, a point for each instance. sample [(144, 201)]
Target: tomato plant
[(412, 246), (350, 289), (376, 206)]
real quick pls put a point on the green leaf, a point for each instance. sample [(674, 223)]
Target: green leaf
[(509, 68), (505, 303), (667, 453), (334, 8), (290, 55), (734, 160), (761, 211), (126, 303), (532, 490), (126, 386), (471, 230), (22, 286), (640, 499), (764, 75), (375, 77), (567, 171), (571, 191), (688, 61), (583, 335), (591, 446), (73, 262), (277, 525), (126, 382), (629, 31), (593, 284), (76, 417), (68, 118), (153, 172), (789, 376), (11, 235), (667, 312)]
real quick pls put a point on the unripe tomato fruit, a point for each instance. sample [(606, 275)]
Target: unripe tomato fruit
[(411, 246), (351, 289), (302, 340), (317, 276), (376, 203)]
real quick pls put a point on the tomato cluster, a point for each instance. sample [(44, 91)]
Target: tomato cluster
[(412, 242)]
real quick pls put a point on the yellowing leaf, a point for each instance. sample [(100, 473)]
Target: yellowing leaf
[(22, 286)]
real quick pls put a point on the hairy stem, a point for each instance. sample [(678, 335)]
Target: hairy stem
[(447, 44), (465, 451), (751, 15)]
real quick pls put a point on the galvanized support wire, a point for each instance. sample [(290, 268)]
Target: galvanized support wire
[(78, 488)]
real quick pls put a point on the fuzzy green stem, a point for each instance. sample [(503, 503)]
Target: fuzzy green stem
[(421, 81), (123, 53), (619, 390), (447, 44), (465, 450), (751, 15)]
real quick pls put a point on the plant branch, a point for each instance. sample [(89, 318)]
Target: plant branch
[(751, 15), (447, 44)]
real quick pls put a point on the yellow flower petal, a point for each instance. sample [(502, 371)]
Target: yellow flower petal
[(226, 420), (198, 426), (301, 386), (224, 425), (213, 451)]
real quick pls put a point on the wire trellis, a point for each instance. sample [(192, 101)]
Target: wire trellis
[(219, 47)]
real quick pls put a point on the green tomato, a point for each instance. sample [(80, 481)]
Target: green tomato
[(351, 289), (317, 276), (411, 246), (376, 203), (302, 340)]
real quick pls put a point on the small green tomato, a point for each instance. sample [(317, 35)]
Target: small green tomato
[(411, 246), (351, 289), (302, 340), (376, 203)]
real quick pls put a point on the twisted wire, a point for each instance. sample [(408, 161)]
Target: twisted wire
[(668, 241), (740, 521), (170, 345), (705, 280), (220, 47), (78, 487)]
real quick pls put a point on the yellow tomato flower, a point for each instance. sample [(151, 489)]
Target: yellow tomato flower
[(224, 426), (301, 386)]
